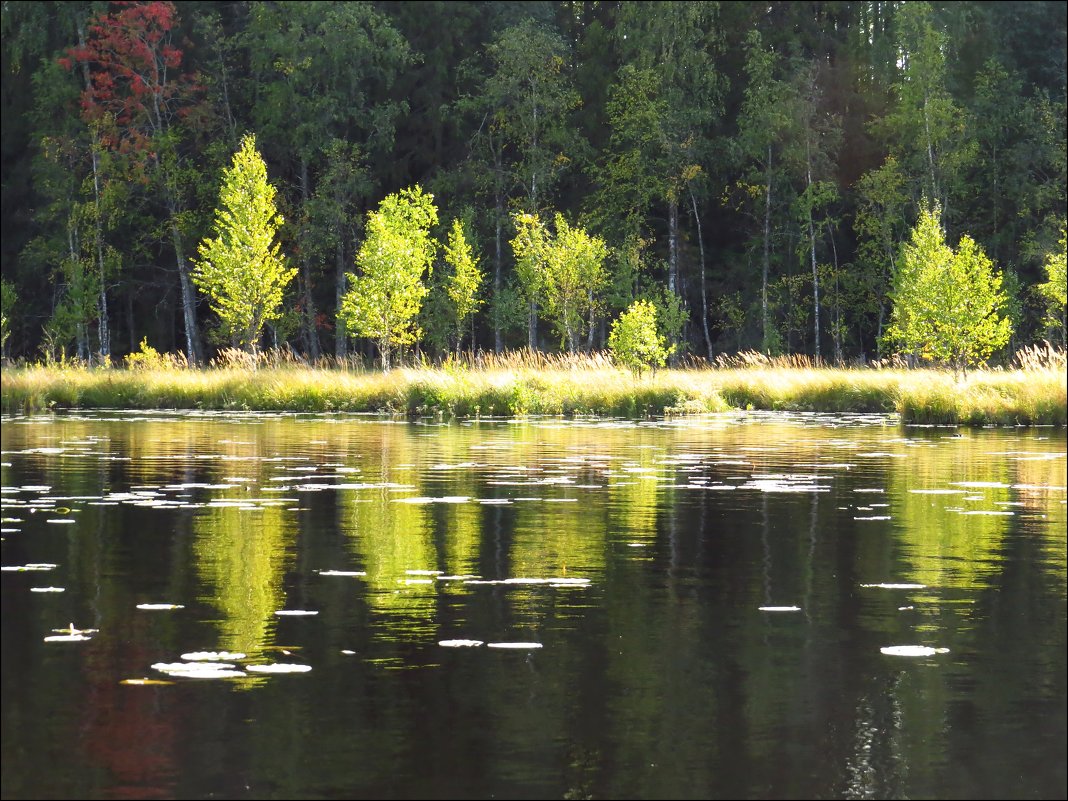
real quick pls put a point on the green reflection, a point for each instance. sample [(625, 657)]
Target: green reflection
[(950, 540), (240, 557)]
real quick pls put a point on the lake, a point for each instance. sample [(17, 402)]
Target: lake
[(203, 605)]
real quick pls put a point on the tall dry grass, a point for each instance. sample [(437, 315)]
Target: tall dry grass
[(1032, 391)]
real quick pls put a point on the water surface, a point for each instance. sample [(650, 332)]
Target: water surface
[(699, 608)]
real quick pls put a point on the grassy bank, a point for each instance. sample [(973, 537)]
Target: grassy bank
[(1010, 397)]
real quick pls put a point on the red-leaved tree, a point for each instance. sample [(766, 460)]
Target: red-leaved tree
[(139, 103)]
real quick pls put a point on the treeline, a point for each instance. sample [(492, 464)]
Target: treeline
[(753, 169)]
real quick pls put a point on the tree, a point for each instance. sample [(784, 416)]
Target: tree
[(463, 283), (926, 129), (880, 224), (531, 248), (635, 342), (564, 271), (947, 304), (242, 270), (7, 305), (385, 297), (142, 102), (1055, 290), (574, 279), (764, 119), (321, 74)]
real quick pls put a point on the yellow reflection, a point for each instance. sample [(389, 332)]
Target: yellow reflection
[(389, 538), (947, 499), (1040, 490), (240, 556)]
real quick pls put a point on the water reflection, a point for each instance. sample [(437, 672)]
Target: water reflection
[(658, 672)]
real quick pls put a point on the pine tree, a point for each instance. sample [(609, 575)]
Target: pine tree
[(242, 270)]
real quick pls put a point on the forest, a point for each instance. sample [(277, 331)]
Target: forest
[(750, 172)]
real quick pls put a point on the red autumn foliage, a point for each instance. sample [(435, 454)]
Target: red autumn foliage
[(135, 83)]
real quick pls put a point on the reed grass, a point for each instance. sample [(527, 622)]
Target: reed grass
[(1034, 392)]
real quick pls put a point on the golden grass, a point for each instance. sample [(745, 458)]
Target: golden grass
[(525, 383)]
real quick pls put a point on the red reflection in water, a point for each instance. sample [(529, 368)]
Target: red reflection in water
[(130, 730)]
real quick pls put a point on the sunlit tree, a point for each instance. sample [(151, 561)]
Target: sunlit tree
[(635, 341), (948, 305), (241, 268), (385, 297)]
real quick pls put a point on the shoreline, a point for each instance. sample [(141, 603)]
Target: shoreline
[(987, 397)]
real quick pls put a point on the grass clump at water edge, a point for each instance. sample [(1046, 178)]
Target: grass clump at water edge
[(1029, 395)]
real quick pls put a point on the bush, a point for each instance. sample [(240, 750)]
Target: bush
[(635, 342)]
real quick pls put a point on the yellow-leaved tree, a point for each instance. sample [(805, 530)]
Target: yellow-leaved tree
[(241, 268)]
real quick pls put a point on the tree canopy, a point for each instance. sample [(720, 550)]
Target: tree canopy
[(948, 304), (241, 269)]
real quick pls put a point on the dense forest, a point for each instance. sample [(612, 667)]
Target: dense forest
[(752, 170)]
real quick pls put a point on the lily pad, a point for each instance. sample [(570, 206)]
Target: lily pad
[(278, 667), (146, 682), (197, 670), (211, 656), (912, 650), (29, 567)]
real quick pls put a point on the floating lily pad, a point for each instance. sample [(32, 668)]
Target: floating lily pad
[(31, 566), (278, 667), (72, 629), (912, 650), (146, 682), (211, 656), (198, 670)]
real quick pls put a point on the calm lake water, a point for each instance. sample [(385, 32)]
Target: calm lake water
[(630, 565)]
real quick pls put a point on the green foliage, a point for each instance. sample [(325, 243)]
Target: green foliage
[(241, 269), (947, 304), (7, 306), (465, 279), (562, 270), (147, 357), (384, 299), (1054, 289), (635, 342)]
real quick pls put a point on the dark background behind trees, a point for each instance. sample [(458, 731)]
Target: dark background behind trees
[(737, 158)]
